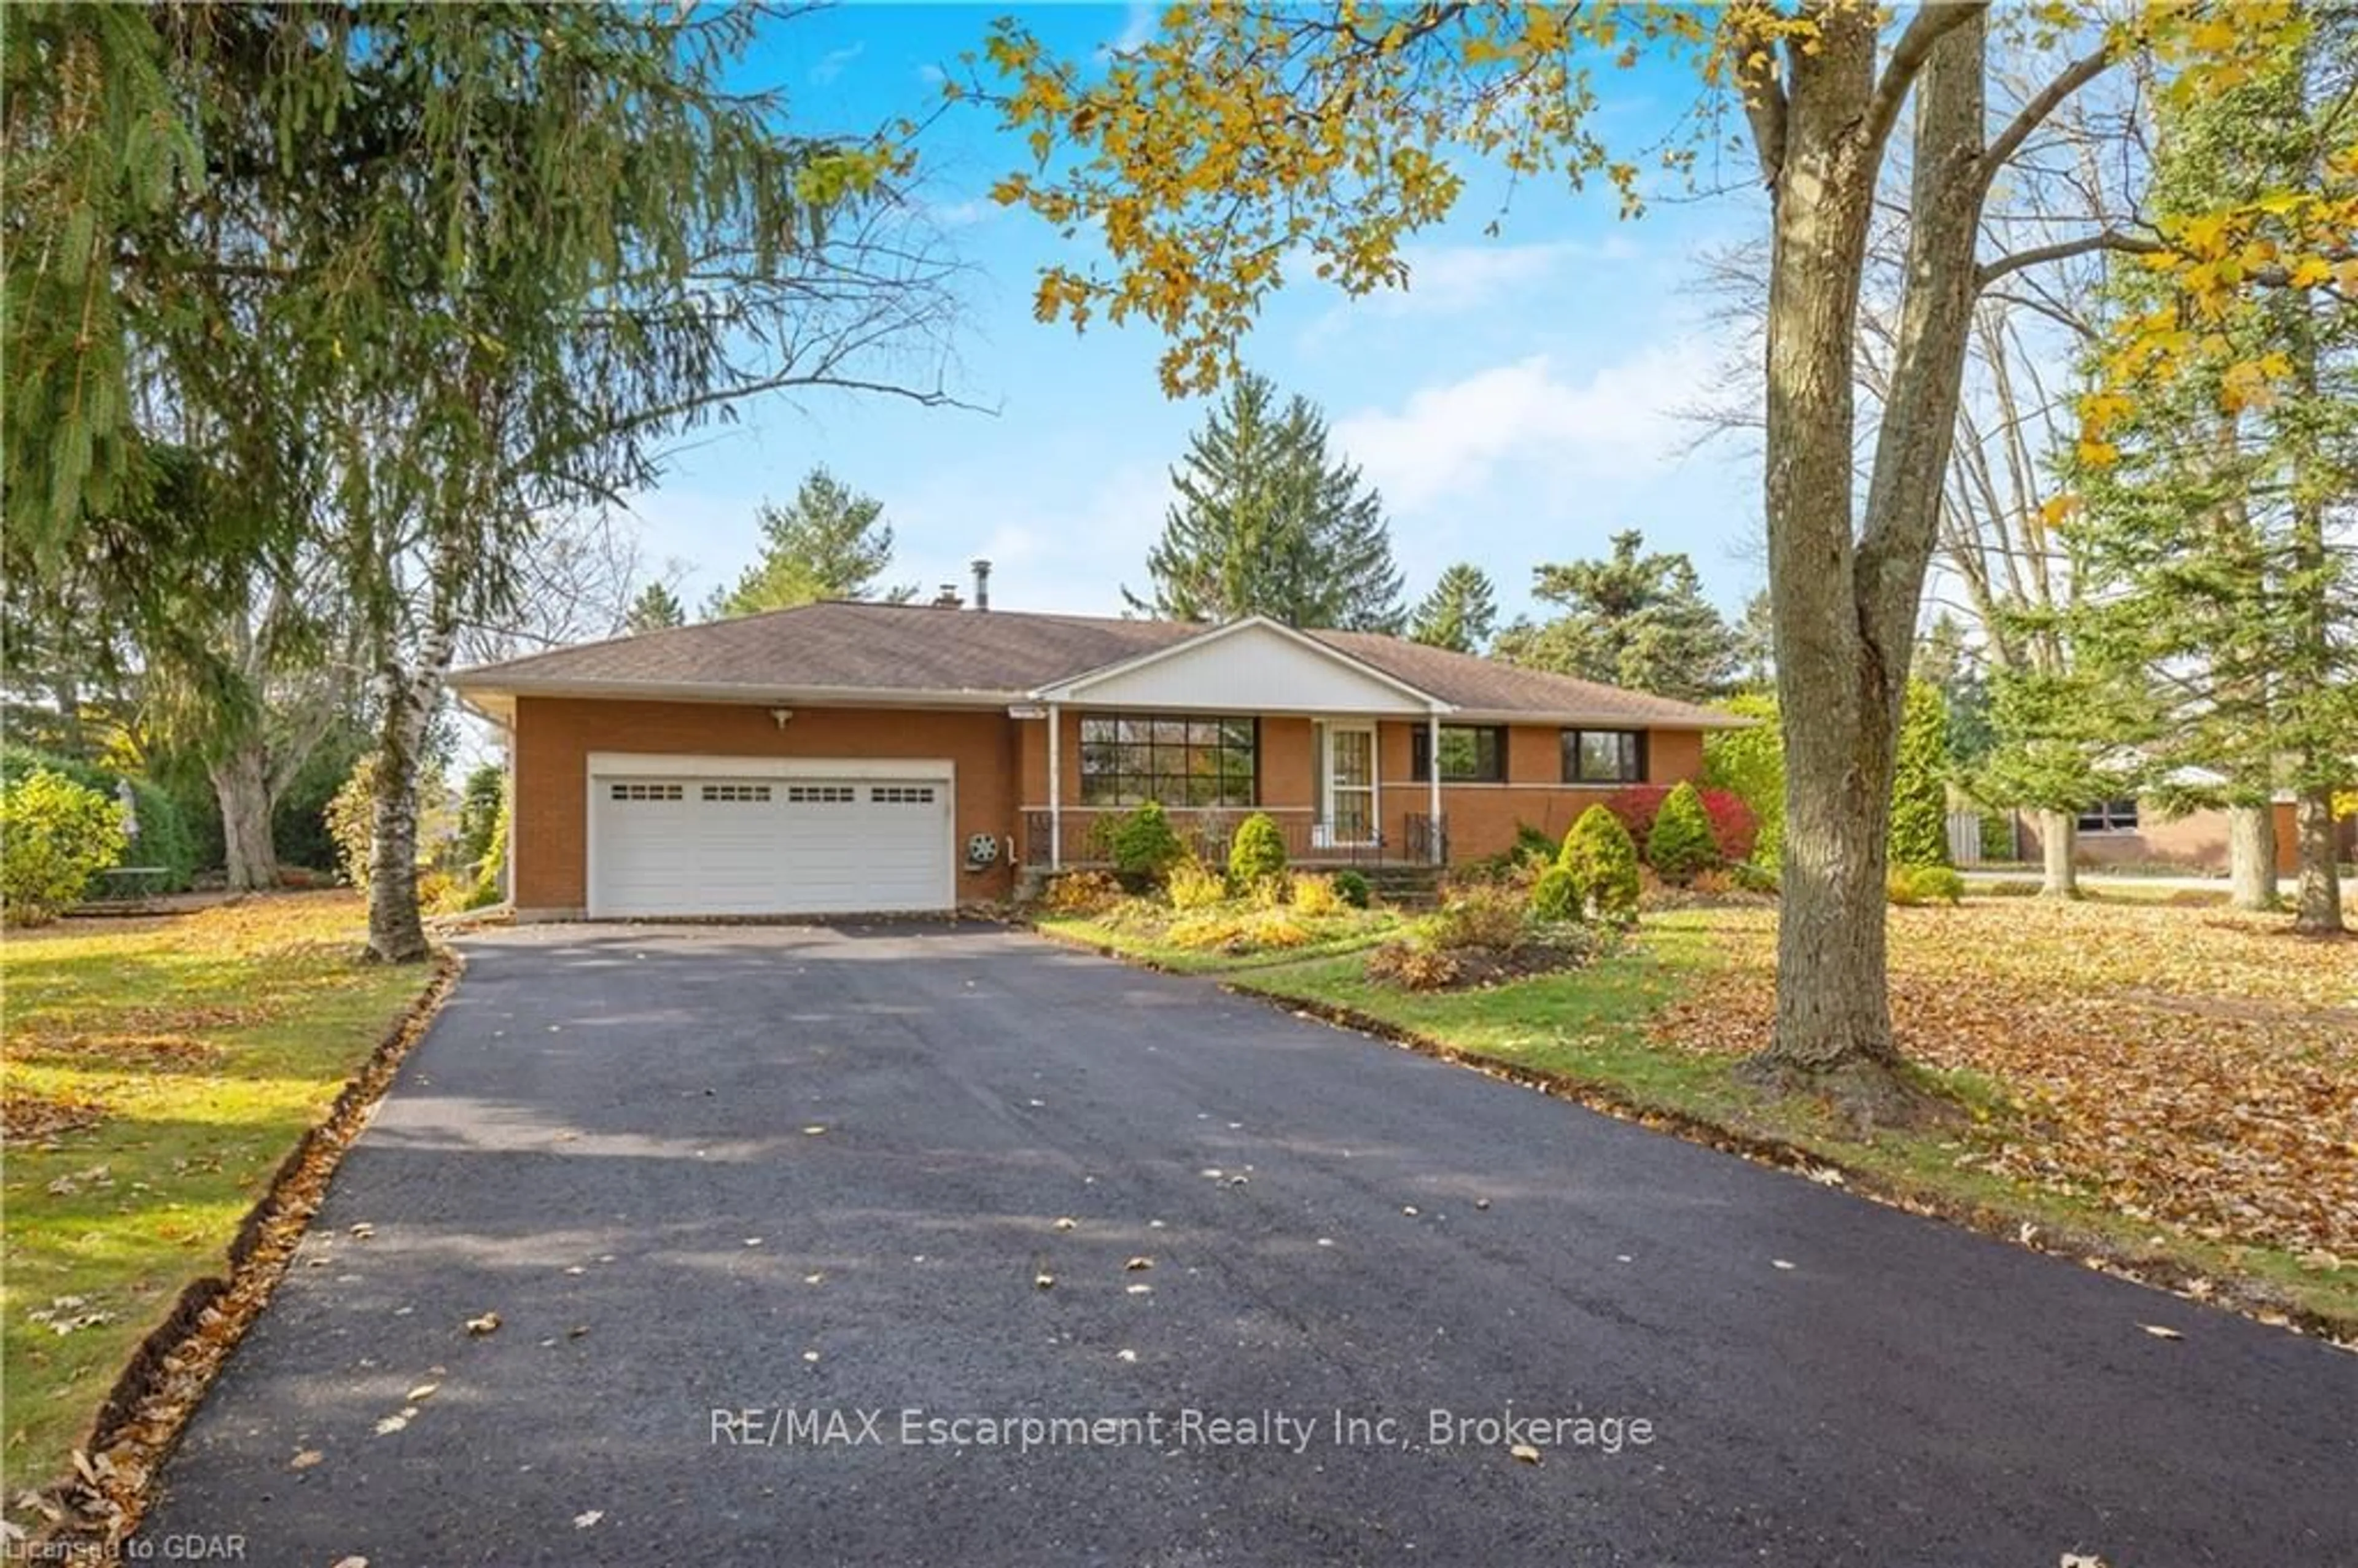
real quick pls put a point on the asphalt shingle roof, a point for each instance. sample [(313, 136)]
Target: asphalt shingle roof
[(890, 648)]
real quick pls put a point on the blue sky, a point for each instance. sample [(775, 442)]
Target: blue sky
[(1515, 405)]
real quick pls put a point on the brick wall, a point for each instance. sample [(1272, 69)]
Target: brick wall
[(1482, 818), (554, 738), (1002, 767)]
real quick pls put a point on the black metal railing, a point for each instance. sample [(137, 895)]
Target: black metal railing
[(1087, 834)]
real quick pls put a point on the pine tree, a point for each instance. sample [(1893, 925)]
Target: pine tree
[(1920, 787), (2221, 585), (1633, 620), (1459, 612), (656, 608), (829, 542), (1756, 644), (1269, 522)]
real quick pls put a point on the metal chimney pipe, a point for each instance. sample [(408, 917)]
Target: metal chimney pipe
[(981, 583)]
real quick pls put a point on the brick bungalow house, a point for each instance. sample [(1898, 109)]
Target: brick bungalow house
[(857, 757), (2143, 832)]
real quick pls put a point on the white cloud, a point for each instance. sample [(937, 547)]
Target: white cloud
[(1069, 553), (1463, 277), (835, 62), (1138, 27), (964, 214), (1455, 438)]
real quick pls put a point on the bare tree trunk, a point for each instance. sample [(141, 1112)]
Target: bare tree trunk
[(1846, 607), (395, 933), (2318, 911), (241, 780), (2252, 856), (406, 697), (2059, 850)]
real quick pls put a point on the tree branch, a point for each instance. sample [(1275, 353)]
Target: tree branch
[(1932, 22), (2041, 104), (2063, 250), (1764, 102)]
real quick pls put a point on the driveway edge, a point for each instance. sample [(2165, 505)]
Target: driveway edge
[(151, 1404), (2094, 1251)]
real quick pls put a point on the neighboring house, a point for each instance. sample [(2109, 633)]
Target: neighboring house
[(842, 758), (2141, 832)]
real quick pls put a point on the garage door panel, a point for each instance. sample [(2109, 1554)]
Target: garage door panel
[(731, 846)]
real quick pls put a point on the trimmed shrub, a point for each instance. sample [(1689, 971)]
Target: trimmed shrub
[(1143, 843), (55, 835), (1315, 895), (1195, 885), (1258, 852), (1681, 843), (1734, 827), (1532, 844), (1555, 897), (1352, 889), (1913, 885), (1603, 860)]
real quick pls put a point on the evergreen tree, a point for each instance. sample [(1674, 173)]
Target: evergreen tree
[(656, 608), (1756, 644), (1632, 620), (829, 542), (1920, 787), (1459, 612), (1269, 522), (2223, 582)]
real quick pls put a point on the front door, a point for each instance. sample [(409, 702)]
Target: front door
[(1350, 804)]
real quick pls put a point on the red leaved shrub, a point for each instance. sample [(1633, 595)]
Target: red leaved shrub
[(1732, 822)]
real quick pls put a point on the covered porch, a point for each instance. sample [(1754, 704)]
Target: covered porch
[(1169, 727)]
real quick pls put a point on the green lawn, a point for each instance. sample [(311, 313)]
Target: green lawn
[(1606, 1035), (199, 1049)]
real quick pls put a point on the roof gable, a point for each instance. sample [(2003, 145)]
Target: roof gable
[(1277, 668)]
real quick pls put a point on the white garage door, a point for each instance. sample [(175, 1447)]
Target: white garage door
[(706, 844)]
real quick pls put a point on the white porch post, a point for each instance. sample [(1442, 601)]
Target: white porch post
[(1432, 786), (1055, 788)]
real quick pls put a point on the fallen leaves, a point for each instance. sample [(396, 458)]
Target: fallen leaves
[(2189, 1068), (487, 1323), (67, 1314), (29, 1116)]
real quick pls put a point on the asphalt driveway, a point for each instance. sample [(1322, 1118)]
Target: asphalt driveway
[(741, 1198)]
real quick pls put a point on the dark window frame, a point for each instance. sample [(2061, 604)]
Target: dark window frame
[(1633, 764), (1187, 762), (1420, 761), (2110, 816)]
